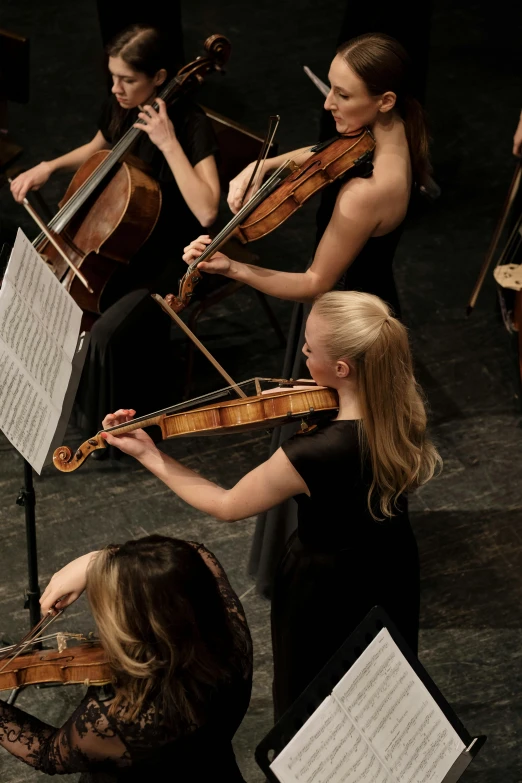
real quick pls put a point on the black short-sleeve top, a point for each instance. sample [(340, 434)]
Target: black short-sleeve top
[(336, 514), (177, 226)]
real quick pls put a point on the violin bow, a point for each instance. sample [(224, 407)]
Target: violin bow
[(43, 228), (512, 192), (321, 86), (183, 326), (273, 124)]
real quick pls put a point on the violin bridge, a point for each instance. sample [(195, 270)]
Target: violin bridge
[(61, 642)]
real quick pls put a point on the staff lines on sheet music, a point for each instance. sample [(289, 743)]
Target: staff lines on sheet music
[(393, 707), (400, 737), (384, 670)]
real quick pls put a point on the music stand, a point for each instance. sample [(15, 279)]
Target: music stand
[(27, 496), (321, 687)]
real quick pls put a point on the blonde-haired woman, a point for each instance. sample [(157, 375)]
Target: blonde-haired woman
[(354, 547), (181, 660)]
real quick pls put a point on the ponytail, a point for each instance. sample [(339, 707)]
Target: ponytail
[(417, 134), (392, 431), (384, 65)]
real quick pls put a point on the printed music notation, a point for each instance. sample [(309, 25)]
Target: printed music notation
[(39, 327), (379, 725)]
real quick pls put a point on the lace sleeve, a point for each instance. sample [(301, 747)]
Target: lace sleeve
[(86, 742), (232, 603)]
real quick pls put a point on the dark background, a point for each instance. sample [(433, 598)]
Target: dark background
[(468, 522)]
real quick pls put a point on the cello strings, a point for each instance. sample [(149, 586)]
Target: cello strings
[(99, 173)]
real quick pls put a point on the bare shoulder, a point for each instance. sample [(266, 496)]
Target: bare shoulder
[(385, 195)]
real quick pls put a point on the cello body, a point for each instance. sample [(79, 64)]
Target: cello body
[(107, 230)]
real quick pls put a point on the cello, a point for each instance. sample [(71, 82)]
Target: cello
[(112, 205)]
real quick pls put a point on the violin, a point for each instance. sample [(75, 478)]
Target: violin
[(261, 411), (281, 195), (85, 664), (112, 205)]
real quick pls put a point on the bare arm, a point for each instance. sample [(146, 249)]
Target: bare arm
[(270, 483), (199, 184), (237, 186), (354, 220), (265, 486), (34, 178)]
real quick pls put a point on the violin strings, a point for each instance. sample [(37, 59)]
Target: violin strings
[(251, 204), (181, 405), (49, 637), (203, 398)]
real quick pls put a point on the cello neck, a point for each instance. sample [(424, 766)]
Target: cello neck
[(67, 212)]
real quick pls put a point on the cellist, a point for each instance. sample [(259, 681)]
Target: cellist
[(179, 148)]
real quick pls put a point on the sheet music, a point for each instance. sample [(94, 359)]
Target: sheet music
[(39, 327), (380, 725), (398, 716), (329, 749)]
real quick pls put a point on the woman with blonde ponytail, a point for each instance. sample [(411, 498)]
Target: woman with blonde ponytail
[(350, 476)]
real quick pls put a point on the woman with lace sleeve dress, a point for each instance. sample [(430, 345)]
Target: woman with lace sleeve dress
[(354, 546), (178, 147), (181, 658)]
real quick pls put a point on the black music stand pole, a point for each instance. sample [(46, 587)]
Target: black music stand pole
[(27, 499)]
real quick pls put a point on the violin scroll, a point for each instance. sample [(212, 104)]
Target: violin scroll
[(66, 461)]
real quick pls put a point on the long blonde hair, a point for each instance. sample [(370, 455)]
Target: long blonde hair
[(362, 331), (162, 621)]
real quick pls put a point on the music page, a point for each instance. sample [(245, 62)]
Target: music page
[(329, 749), (397, 715), (39, 327)]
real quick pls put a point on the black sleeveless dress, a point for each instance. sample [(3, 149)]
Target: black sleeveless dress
[(339, 563)]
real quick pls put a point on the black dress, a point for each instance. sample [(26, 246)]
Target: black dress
[(339, 563), (372, 273), (129, 363), (111, 749)]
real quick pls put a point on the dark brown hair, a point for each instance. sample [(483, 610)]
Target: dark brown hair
[(145, 50), (163, 623), (384, 65)]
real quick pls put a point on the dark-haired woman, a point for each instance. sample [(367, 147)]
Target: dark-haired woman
[(359, 221), (178, 147), (181, 661)]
